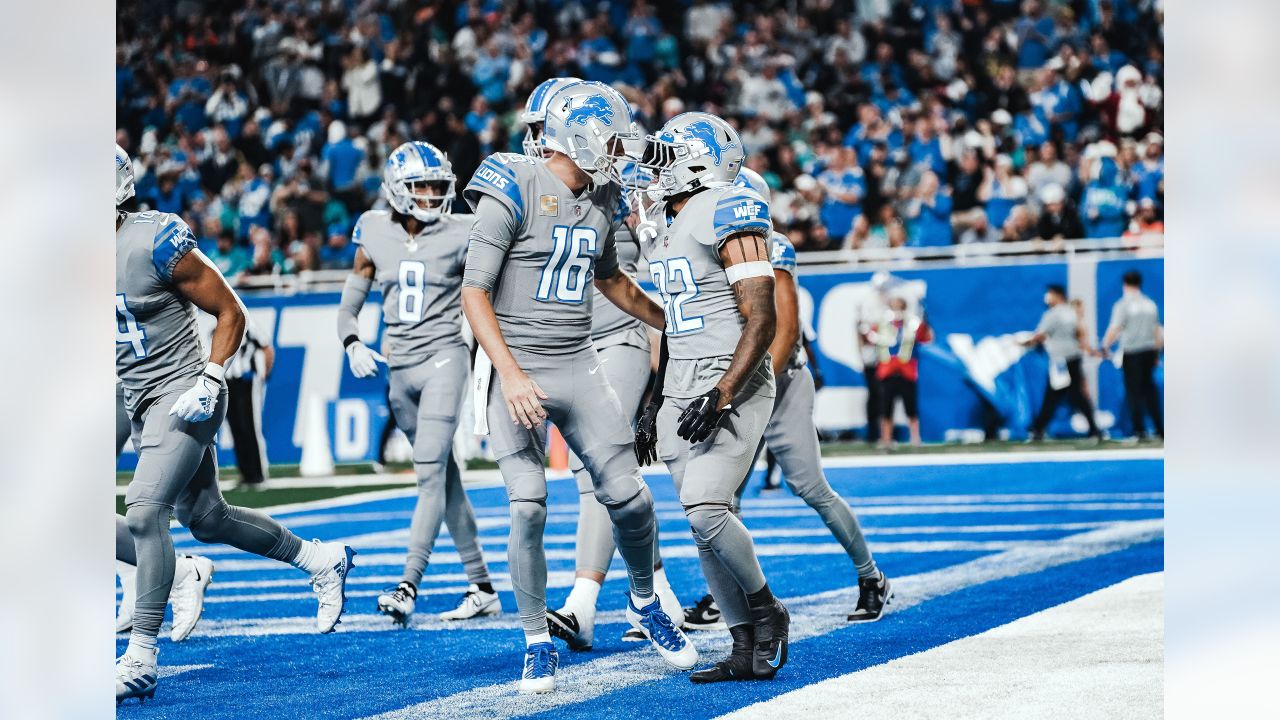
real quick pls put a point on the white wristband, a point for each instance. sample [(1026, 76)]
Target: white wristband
[(215, 371), (742, 271)]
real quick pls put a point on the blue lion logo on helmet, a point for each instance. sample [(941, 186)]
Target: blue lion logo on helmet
[(704, 132), (595, 106)]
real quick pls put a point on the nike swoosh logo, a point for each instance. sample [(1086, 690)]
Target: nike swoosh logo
[(443, 362), (777, 658), (594, 369)]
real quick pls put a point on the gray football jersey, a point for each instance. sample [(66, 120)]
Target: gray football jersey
[(684, 264), (1059, 325), (782, 256), (1135, 318), (157, 338), (607, 319), (421, 282), (541, 279)]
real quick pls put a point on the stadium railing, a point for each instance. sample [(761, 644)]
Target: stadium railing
[(867, 259)]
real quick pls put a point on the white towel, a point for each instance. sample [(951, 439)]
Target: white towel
[(481, 373)]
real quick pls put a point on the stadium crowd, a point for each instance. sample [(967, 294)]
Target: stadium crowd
[(878, 123)]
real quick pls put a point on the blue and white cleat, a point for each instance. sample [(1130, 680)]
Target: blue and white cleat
[(540, 663), (330, 585), (136, 675), (670, 641)]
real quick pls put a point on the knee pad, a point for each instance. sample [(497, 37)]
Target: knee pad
[(618, 480), (635, 516), (528, 513), (707, 520), (431, 474), (144, 518), (814, 491), (433, 440)]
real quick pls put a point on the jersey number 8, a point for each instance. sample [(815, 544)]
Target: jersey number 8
[(666, 276), (413, 285), (564, 278)]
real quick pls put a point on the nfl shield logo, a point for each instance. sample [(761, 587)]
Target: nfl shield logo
[(577, 210)]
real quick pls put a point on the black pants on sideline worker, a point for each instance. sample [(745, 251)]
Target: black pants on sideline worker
[(1073, 392), (244, 417), (873, 402), (1140, 391)]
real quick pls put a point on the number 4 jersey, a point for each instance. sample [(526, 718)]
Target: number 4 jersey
[(421, 282), (157, 339), (703, 322), (540, 260)]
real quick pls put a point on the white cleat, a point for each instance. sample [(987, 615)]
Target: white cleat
[(540, 663), (476, 603), (670, 606), (578, 633), (668, 639), (399, 603), (191, 577), (128, 577), (136, 675), (330, 584)]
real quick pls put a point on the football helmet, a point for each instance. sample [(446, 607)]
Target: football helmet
[(693, 150), (124, 176), (535, 113), (411, 180), (590, 122)]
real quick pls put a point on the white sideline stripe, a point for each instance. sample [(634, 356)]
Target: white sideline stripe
[(749, 510), (559, 579), (810, 616), (171, 670), (1100, 655), (993, 458), (684, 551)]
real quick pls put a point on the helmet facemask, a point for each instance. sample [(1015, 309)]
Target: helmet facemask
[(425, 200), (674, 166)]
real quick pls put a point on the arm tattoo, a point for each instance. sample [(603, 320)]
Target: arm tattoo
[(754, 297)]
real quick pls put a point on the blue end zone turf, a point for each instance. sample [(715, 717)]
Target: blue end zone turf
[(970, 547)]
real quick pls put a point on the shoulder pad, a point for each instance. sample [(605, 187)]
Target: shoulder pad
[(369, 216), (782, 254), (499, 176), (740, 210), (172, 242)]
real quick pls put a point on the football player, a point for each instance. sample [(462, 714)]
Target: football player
[(625, 355), (191, 573), (176, 399), (544, 232), (707, 245), (791, 434), (416, 252)]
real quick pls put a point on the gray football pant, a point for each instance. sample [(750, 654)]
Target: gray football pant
[(124, 541), (177, 473), (706, 476), (791, 436), (425, 399), (627, 368), (586, 410)]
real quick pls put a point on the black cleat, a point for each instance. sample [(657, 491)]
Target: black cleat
[(772, 627), (734, 667), (705, 615), (873, 595), (566, 627)]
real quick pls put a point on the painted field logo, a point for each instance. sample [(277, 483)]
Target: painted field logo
[(492, 176), (703, 132), (594, 106)]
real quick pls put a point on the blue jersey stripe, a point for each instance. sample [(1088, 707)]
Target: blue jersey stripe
[(171, 244)]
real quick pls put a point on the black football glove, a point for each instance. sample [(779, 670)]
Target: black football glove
[(818, 380), (647, 434), (701, 418)]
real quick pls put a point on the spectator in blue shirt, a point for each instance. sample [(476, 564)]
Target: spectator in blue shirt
[(1060, 100), (597, 54), (343, 159), (230, 258), (1104, 58), (169, 196), (1148, 174), (1034, 31), (337, 253), (490, 74), (844, 187), (926, 148), (1103, 205), (255, 199), (929, 213)]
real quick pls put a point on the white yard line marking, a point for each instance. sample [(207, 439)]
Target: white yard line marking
[(810, 616), (1099, 655)]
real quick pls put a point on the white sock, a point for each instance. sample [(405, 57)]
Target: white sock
[(138, 648), (582, 598), (660, 579), (532, 639), (667, 596), (311, 558), (640, 602)]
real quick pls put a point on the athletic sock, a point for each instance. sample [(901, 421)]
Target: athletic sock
[(141, 645), (411, 587), (534, 638), (641, 602), (485, 587), (582, 598), (868, 571), (660, 579), (760, 598), (310, 559)]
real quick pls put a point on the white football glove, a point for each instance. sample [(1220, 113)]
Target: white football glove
[(363, 360), (198, 402)]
